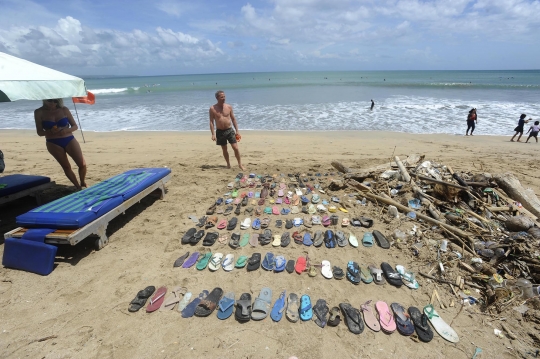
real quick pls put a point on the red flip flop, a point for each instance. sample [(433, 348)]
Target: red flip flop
[(222, 224), (300, 265), (157, 300)]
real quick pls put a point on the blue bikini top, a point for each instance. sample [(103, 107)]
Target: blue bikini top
[(47, 125)]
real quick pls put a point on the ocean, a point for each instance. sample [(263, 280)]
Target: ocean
[(405, 101)]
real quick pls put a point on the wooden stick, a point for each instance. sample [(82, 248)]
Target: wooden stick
[(439, 299), (429, 179), (449, 282), (403, 170)]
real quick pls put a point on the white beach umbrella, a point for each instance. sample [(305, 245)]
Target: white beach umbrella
[(24, 80)]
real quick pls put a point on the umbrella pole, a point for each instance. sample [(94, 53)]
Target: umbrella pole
[(77, 113)]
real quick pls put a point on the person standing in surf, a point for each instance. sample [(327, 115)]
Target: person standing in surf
[(222, 116), (372, 105), (471, 121), (520, 127)]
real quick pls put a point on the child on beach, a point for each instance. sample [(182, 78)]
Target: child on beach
[(519, 129), (534, 131)]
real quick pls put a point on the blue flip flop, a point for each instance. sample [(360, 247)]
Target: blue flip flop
[(285, 211), (279, 264), (268, 261), (306, 312), (279, 308), (189, 310), (307, 239), (367, 241), (256, 224), (226, 306)]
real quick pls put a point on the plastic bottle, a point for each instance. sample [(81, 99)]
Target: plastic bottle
[(393, 212), (526, 288), (443, 246), (364, 201)]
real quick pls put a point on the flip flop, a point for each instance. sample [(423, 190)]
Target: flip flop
[(285, 239), (344, 211), (203, 261), (188, 236), (340, 239), (256, 224), (223, 238), (365, 275), (403, 322), (277, 240), (279, 264), (440, 325), (386, 318), (210, 238), (157, 300), (391, 275), (235, 240), (407, 277), (180, 260), (254, 240), (279, 307), (318, 239), (293, 306), (312, 209), (355, 222), (320, 311), (366, 222), (290, 266), (222, 224), (189, 310), (306, 311), (353, 272), (329, 239), (254, 262), (243, 308), (202, 221), (266, 237), (338, 273), (421, 326), (326, 221), (353, 318), (215, 262), (241, 262), (334, 319), (184, 302), (369, 317), (140, 299), (353, 241), (300, 265), (345, 222), (381, 240), (307, 239), (226, 306), (191, 260), (207, 305), (245, 240), (262, 304), (246, 223), (326, 270), (297, 237), (367, 240), (288, 223), (211, 222), (232, 224), (275, 210), (228, 263), (197, 237), (377, 274), (268, 261)]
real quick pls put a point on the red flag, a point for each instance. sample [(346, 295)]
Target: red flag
[(89, 99)]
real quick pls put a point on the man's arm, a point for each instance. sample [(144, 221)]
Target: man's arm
[(212, 124), (235, 124)]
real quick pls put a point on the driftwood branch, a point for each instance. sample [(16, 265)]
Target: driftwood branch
[(429, 179), (449, 282)]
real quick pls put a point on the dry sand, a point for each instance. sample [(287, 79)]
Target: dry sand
[(83, 302)]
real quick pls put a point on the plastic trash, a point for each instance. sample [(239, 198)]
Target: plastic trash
[(498, 333), (393, 212), (394, 191), (415, 203), (525, 286), (411, 215), (364, 201), (399, 235), (444, 245), (476, 260), (390, 174), (488, 253)]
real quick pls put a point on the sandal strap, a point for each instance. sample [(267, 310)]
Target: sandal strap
[(430, 311)]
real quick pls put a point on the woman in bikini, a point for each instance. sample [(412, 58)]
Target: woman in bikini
[(54, 121)]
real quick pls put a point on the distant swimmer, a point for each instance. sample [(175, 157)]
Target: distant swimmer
[(471, 120), (372, 105)]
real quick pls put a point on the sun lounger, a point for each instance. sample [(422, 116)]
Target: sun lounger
[(73, 218), (13, 187)]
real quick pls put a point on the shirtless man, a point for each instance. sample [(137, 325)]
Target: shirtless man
[(222, 114)]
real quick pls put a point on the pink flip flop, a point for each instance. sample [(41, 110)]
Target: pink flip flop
[(385, 317), (157, 300), (369, 317), (222, 224), (275, 210)]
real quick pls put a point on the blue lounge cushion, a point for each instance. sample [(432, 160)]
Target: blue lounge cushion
[(15, 183)]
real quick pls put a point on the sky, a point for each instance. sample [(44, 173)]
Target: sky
[(163, 37)]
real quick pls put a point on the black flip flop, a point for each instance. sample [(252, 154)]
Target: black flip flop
[(391, 275), (290, 266), (254, 262), (366, 222), (381, 240), (238, 209), (210, 238), (288, 224), (338, 273), (180, 260), (202, 221), (320, 309), (353, 318), (285, 239), (334, 318), (243, 308), (404, 324), (235, 240), (232, 224), (186, 239), (266, 237), (421, 325), (279, 223), (197, 237), (140, 299), (207, 305)]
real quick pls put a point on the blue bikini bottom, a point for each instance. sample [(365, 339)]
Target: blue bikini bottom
[(62, 142)]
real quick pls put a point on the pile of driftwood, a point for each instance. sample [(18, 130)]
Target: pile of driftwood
[(483, 228)]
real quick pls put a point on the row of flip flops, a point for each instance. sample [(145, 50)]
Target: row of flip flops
[(295, 309), (330, 238)]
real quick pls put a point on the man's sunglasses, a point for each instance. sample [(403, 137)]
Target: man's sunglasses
[(50, 101)]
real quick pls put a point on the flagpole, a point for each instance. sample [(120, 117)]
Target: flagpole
[(77, 113)]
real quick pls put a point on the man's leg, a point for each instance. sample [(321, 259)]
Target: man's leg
[(226, 155), (237, 155)]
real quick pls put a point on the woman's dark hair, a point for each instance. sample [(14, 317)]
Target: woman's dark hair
[(522, 116), (471, 111), (537, 123)]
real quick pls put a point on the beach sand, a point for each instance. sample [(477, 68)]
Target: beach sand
[(83, 303)]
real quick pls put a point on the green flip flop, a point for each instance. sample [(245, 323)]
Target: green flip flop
[(241, 262), (203, 262), (245, 240)]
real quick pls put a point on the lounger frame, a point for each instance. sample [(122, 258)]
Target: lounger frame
[(34, 192), (97, 227)]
